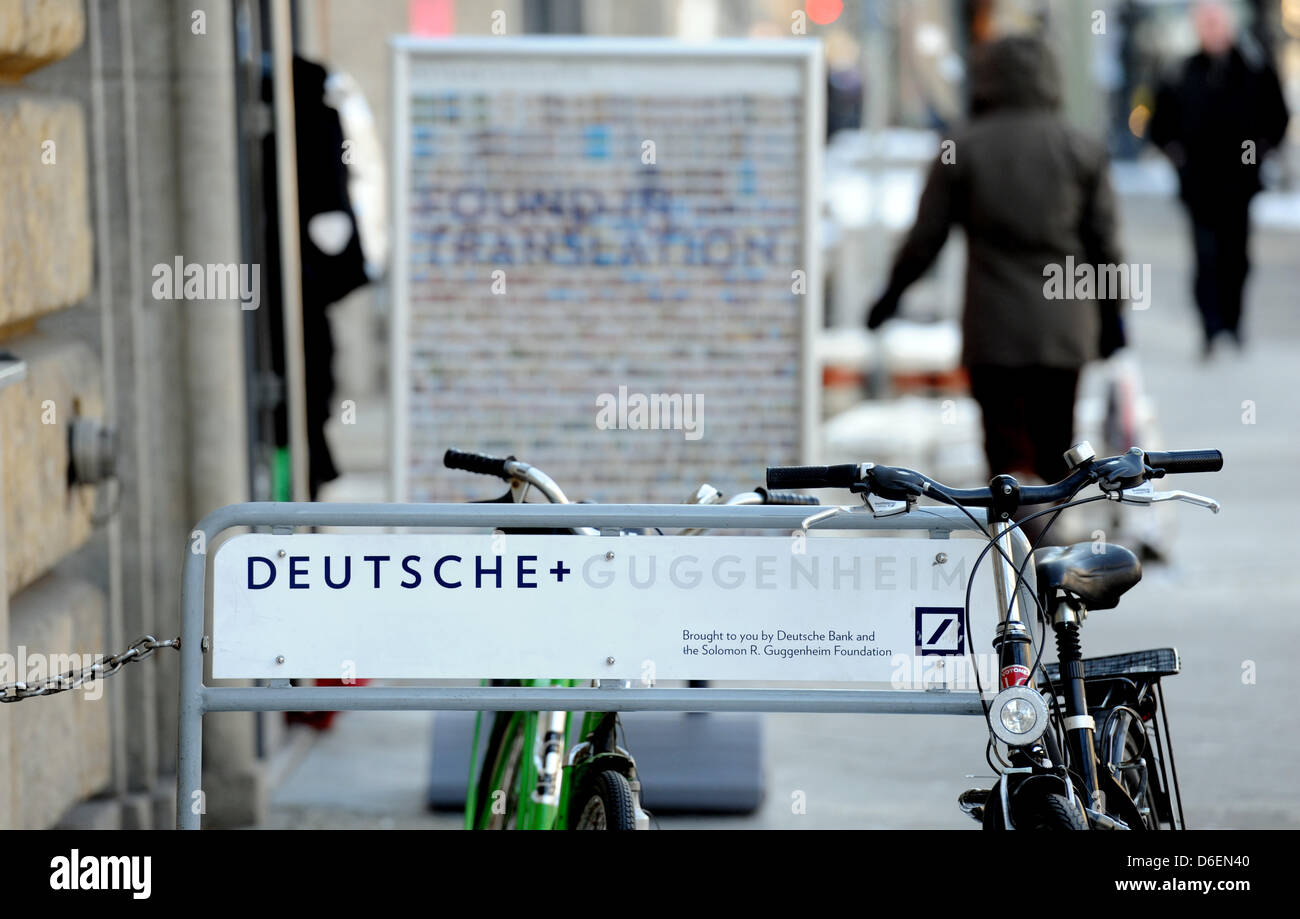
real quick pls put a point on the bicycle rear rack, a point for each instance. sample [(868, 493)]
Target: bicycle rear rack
[(1152, 664)]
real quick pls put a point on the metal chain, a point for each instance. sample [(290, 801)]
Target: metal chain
[(138, 650)]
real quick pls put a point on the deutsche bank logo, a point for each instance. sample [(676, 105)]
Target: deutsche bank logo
[(940, 630)]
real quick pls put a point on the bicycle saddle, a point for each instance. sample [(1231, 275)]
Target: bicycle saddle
[(1096, 573)]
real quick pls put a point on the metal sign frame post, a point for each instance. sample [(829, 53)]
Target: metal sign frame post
[(198, 699)]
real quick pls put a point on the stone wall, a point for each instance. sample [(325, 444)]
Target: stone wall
[(56, 751), (103, 174), (45, 518), (35, 32), (45, 256)]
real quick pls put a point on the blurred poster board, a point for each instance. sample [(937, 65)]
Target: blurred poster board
[(605, 261)]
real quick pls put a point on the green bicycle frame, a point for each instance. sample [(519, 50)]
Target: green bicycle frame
[(538, 794)]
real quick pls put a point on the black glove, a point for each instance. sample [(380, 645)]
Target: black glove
[(1112, 328), (883, 309)]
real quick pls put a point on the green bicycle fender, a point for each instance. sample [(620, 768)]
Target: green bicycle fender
[(571, 776), (483, 814), (471, 789), (530, 814), (573, 735), (533, 815)]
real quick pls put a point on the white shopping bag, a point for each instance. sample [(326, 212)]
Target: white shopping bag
[(1114, 412)]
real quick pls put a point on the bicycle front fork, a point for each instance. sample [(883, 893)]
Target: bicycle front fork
[(1080, 728), (1013, 647)]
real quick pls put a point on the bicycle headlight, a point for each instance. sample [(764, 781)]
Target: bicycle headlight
[(1019, 716)]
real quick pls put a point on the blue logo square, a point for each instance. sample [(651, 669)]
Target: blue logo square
[(940, 630)]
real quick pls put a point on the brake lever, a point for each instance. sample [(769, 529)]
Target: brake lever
[(1198, 500), (1146, 494), (705, 494), (830, 512)]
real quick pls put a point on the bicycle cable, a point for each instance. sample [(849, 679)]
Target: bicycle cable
[(992, 543), (970, 582), (1062, 748), (991, 749), (1036, 666), (1056, 512)]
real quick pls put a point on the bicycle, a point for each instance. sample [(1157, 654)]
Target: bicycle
[(1061, 771), (534, 771)]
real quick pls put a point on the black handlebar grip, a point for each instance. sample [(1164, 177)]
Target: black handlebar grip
[(1176, 461), (786, 497), (477, 462), (844, 475)]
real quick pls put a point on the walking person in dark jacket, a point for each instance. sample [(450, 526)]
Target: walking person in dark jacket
[(1032, 195), (1215, 122)]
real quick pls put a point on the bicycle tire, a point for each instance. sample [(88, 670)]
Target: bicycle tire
[(1034, 810), (1137, 783), (1048, 812), (605, 802)]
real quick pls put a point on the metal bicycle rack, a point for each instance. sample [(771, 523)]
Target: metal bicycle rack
[(198, 699)]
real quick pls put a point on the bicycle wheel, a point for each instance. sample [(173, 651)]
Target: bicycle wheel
[(1133, 769), (1046, 812), (498, 789), (1034, 809), (605, 802)]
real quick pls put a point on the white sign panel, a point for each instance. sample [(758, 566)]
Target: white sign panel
[(884, 611), (605, 261)]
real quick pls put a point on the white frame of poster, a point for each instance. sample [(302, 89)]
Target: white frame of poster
[(805, 53)]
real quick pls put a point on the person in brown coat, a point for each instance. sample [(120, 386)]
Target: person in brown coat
[(1033, 197)]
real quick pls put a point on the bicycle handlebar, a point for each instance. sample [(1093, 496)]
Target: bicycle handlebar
[(1179, 461), (786, 497), (477, 462), (500, 467), (1113, 474), (845, 475)]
